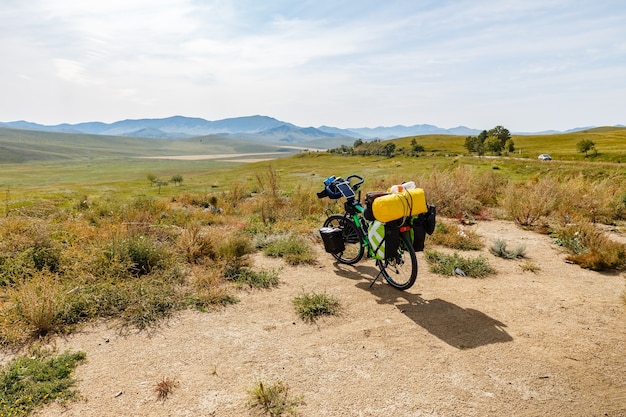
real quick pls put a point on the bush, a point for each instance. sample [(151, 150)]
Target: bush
[(310, 306), (246, 277), (273, 399), (499, 249), (196, 244), (452, 236), (463, 192), (30, 382), (294, 249), (38, 302), (454, 264), (530, 203), (591, 248)]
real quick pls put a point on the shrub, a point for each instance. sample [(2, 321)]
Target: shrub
[(30, 382), (246, 277), (451, 264), (38, 302), (136, 255), (294, 249), (529, 267), (531, 202), (310, 306), (452, 236), (164, 388), (464, 191), (499, 249), (591, 248), (273, 399), (196, 244)]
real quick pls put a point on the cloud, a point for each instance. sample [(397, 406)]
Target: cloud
[(312, 62)]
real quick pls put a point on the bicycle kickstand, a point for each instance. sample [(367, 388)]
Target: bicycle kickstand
[(380, 267)]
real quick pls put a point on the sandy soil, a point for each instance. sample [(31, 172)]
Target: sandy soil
[(550, 343)]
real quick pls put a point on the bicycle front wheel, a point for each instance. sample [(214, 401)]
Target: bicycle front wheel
[(401, 270), (354, 249)]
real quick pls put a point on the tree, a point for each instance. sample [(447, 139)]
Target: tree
[(389, 149), (501, 133), (493, 145), (160, 183), (416, 147), (585, 145), (177, 179), (152, 178), (357, 143), (509, 146)]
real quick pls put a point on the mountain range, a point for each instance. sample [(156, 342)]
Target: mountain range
[(262, 128), (251, 128)]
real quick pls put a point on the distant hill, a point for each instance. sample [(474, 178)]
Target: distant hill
[(253, 128), (262, 129), (21, 145)]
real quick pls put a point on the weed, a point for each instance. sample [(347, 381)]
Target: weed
[(273, 399), (294, 249), (529, 267), (164, 388), (310, 306), (531, 202), (30, 382), (499, 249), (591, 248), (451, 264), (38, 302), (452, 236), (196, 244), (245, 277), (234, 250)]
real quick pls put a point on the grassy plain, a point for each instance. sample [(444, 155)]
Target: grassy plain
[(84, 233)]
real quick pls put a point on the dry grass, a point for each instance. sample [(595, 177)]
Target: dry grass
[(165, 387)]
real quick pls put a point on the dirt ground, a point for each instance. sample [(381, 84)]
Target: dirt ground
[(549, 343)]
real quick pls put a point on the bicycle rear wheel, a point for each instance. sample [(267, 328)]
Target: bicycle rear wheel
[(354, 249), (401, 270)]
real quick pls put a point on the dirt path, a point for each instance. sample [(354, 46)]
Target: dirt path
[(515, 344)]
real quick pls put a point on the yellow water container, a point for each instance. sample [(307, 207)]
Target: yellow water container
[(398, 205)]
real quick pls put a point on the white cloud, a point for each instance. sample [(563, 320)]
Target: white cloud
[(314, 62)]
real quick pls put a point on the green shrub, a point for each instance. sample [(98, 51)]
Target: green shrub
[(452, 236), (443, 264), (273, 399), (27, 383), (310, 306), (294, 249), (529, 204), (591, 248), (499, 249), (245, 277)]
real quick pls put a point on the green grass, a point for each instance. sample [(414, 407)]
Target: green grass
[(294, 249), (445, 264), (312, 305), (27, 383), (273, 399), (91, 237)]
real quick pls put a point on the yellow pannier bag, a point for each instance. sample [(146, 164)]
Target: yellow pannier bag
[(398, 205)]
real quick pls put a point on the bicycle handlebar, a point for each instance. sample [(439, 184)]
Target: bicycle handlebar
[(336, 187)]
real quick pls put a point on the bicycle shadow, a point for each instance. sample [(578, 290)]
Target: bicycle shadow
[(462, 328)]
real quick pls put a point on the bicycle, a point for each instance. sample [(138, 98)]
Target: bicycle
[(399, 268)]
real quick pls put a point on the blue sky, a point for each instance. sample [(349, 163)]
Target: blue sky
[(527, 65)]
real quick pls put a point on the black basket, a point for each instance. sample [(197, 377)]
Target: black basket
[(333, 239)]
